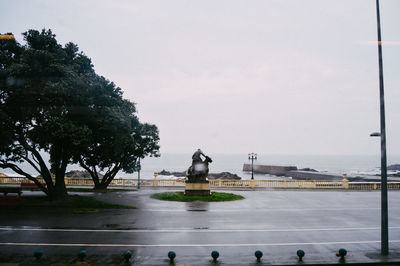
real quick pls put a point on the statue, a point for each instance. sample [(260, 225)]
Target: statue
[(198, 171)]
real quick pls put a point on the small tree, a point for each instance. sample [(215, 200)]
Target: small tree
[(118, 139)]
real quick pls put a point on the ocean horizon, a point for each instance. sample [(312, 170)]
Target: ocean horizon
[(233, 163)]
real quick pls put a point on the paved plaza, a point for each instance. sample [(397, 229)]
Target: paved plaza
[(277, 222)]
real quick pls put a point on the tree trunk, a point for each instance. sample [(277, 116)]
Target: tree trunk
[(60, 188), (100, 186), (105, 180)]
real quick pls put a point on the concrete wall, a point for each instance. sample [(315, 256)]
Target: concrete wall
[(269, 169), (291, 171), (305, 175)]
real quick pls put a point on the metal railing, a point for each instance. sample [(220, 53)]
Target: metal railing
[(295, 184)]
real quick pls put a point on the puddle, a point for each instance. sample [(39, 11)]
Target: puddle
[(111, 225), (197, 206)]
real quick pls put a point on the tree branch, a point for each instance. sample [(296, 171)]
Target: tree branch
[(18, 170), (26, 158), (113, 173), (87, 168), (44, 170)]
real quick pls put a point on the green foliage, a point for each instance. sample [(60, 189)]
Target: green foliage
[(179, 196), (51, 100), (39, 86)]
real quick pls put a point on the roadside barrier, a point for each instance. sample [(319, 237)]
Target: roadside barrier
[(258, 255), (342, 254), (214, 255), (300, 253), (82, 255), (38, 254), (171, 256), (127, 255), (281, 184)]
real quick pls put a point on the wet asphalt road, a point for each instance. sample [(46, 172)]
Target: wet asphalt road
[(277, 222)]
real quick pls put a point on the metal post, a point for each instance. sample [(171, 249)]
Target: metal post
[(138, 176), (384, 198), (252, 168), (252, 157)]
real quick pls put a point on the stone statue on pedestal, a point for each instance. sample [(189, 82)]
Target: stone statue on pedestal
[(198, 171), (197, 183)]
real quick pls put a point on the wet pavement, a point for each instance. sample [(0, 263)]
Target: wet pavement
[(277, 222)]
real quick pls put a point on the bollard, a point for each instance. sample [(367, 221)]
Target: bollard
[(341, 253), (215, 255), (171, 256), (82, 255), (127, 255), (38, 254), (258, 255), (300, 254)]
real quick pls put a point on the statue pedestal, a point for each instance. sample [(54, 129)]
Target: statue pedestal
[(197, 189)]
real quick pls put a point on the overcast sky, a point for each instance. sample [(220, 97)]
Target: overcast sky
[(271, 76)]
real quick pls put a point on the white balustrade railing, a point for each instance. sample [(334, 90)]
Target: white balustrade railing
[(295, 184)]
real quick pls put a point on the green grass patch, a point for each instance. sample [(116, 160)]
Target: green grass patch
[(179, 196), (79, 189), (85, 203), (89, 202), (85, 210)]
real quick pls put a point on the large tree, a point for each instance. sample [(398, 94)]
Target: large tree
[(42, 83), (52, 102)]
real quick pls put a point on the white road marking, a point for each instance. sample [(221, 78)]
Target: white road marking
[(194, 245), (186, 230), (260, 209)]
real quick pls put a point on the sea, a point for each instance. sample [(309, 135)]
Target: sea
[(233, 163), (351, 165)]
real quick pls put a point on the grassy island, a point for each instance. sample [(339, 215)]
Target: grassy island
[(179, 196)]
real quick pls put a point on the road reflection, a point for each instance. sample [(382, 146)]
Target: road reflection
[(197, 206)]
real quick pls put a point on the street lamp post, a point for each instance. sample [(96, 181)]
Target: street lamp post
[(384, 199), (138, 175), (252, 157)]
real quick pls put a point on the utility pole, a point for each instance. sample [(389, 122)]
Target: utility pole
[(138, 175), (384, 193)]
